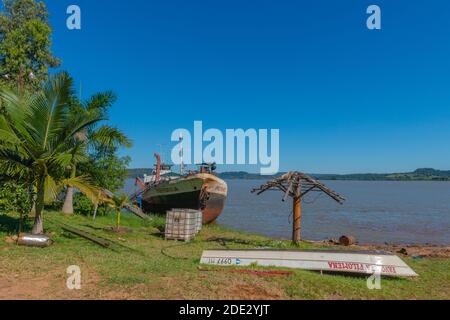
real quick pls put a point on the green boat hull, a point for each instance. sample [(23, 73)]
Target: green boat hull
[(203, 192)]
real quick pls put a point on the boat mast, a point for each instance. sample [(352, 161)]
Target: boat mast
[(158, 168)]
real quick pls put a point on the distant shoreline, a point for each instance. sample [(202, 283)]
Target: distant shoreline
[(425, 174)]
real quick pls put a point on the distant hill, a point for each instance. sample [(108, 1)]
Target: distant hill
[(424, 174)]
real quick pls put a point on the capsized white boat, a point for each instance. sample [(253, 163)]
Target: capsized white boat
[(363, 262)]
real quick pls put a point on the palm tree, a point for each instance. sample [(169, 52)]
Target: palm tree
[(38, 139), (118, 203), (93, 137), (77, 156)]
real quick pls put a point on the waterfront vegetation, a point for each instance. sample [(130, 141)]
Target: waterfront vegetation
[(142, 265), (44, 139), (51, 142)]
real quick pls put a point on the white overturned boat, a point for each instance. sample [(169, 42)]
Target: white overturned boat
[(363, 262)]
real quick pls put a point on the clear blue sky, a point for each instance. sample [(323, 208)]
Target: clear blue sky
[(346, 99)]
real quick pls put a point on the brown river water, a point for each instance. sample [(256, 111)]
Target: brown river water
[(375, 212)]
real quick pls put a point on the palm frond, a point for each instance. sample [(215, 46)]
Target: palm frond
[(120, 201), (79, 124), (109, 137), (52, 190), (50, 109), (16, 113), (101, 102), (59, 161), (16, 106), (8, 137), (85, 186), (15, 167)]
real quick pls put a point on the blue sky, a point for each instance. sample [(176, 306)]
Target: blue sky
[(346, 99)]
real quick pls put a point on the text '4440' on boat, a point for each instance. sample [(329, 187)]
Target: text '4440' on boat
[(164, 190)]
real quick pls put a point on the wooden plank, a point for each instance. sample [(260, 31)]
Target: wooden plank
[(136, 211), (102, 242)]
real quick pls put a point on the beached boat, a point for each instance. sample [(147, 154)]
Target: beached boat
[(199, 190), (363, 262)]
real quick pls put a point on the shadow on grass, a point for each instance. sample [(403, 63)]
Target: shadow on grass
[(93, 227), (10, 225), (225, 241), (159, 234)]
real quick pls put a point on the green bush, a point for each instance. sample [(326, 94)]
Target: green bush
[(54, 205), (82, 205), (15, 198), (158, 222)]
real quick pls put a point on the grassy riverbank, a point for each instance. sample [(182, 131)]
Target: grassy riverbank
[(145, 266)]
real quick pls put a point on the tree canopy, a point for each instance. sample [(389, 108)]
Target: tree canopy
[(25, 44)]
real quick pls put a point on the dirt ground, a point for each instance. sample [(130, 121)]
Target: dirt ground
[(419, 251), (52, 286)]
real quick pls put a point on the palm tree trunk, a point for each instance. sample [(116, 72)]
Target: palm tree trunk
[(33, 201), (38, 227), (68, 201), (33, 209), (118, 219), (95, 211)]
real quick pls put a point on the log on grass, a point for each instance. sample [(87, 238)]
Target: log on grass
[(102, 242)]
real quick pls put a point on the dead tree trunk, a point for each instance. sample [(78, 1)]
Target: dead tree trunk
[(296, 232), (297, 185)]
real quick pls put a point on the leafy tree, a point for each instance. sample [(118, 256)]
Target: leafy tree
[(37, 139), (25, 44), (108, 170)]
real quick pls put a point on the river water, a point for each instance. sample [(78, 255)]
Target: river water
[(375, 212)]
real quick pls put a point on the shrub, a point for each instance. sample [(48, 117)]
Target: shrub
[(159, 222), (82, 205), (15, 198)]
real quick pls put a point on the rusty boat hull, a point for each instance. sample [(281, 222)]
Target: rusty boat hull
[(201, 191)]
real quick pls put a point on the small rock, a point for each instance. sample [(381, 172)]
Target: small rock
[(333, 241), (403, 251), (347, 240)]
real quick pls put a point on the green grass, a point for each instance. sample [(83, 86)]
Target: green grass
[(145, 266)]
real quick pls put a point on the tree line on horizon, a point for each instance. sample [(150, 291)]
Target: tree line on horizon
[(424, 174)]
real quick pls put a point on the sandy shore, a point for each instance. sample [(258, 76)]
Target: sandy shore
[(410, 250)]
